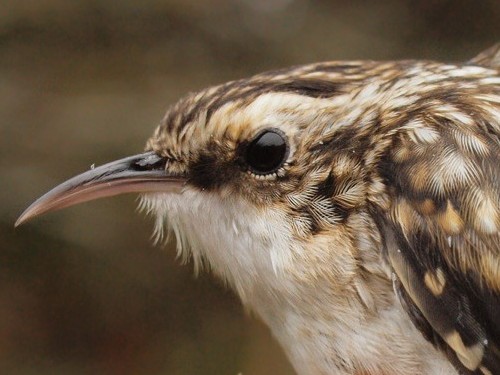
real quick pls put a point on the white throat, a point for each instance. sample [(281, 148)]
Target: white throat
[(316, 323), (242, 246)]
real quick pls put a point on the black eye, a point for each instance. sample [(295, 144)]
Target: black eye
[(267, 152)]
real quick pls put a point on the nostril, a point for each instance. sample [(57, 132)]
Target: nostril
[(149, 163)]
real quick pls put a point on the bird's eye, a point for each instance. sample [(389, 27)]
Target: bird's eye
[(267, 152)]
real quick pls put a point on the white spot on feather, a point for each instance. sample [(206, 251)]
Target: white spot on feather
[(490, 81), (487, 216), (470, 142), (420, 133), (456, 168)]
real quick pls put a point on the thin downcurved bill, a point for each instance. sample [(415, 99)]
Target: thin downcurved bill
[(143, 173)]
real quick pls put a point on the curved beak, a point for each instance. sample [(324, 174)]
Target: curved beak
[(141, 173)]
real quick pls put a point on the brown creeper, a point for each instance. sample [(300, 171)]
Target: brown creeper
[(354, 206)]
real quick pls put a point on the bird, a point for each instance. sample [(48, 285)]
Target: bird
[(353, 206)]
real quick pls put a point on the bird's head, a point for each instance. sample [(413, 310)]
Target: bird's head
[(249, 173), (269, 179)]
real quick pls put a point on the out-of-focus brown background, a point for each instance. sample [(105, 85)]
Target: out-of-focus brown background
[(83, 291)]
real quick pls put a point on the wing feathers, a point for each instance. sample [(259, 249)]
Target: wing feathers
[(442, 237)]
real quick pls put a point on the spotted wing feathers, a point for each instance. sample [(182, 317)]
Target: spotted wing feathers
[(442, 236)]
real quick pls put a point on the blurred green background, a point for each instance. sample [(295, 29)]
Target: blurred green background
[(83, 291)]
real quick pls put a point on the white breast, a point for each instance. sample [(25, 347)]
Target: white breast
[(323, 330)]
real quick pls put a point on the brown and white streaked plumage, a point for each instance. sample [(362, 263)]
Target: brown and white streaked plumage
[(353, 206)]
